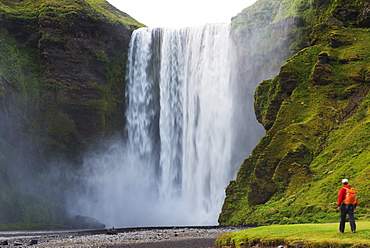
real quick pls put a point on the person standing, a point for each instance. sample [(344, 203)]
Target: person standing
[(347, 203)]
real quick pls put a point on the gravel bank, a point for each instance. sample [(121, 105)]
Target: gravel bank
[(179, 237)]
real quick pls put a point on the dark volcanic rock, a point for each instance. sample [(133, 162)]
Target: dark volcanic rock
[(76, 71)]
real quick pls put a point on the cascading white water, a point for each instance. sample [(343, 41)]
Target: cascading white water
[(195, 112), (207, 114), (181, 132)]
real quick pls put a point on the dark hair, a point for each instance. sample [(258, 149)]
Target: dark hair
[(346, 183)]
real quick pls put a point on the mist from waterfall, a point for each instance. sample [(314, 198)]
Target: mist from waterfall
[(185, 136)]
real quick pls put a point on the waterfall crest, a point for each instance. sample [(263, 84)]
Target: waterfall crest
[(181, 132)]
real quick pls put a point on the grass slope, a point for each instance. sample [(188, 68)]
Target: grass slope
[(306, 235), (317, 116), (99, 9)]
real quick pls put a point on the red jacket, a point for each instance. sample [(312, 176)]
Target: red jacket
[(342, 194)]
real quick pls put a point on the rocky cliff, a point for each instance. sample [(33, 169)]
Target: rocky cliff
[(316, 116), (62, 81)]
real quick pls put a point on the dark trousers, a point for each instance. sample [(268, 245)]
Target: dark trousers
[(347, 209)]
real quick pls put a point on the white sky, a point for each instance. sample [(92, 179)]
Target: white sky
[(172, 13)]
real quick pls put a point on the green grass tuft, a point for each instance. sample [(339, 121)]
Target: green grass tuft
[(306, 235)]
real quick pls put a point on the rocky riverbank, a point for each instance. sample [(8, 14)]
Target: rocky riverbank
[(179, 237)]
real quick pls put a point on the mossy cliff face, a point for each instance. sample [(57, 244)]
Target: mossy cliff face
[(62, 82), (80, 54), (316, 116)]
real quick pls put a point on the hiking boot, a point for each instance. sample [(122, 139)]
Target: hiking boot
[(353, 231)]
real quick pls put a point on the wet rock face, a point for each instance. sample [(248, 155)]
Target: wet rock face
[(365, 14), (76, 60), (353, 13), (323, 74), (82, 74), (336, 41), (287, 81), (23, 31)]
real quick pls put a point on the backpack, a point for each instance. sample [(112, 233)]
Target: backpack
[(351, 197)]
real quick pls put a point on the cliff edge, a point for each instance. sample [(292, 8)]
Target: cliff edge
[(316, 116)]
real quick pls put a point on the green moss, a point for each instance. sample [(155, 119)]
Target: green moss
[(58, 11), (65, 135), (113, 14), (345, 11), (101, 56), (20, 66), (296, 9), (316, 113), (32, 212)]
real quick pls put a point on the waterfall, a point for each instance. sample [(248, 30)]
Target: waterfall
[(194, 110), (181, 131)]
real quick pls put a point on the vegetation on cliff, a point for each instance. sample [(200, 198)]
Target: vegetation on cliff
[(316, 116), (62, 81)]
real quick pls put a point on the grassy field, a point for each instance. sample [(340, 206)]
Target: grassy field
[(300, 235)]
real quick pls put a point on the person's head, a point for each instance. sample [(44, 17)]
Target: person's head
[(345, 181)]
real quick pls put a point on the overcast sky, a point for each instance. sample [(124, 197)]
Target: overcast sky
[(172, 13)]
